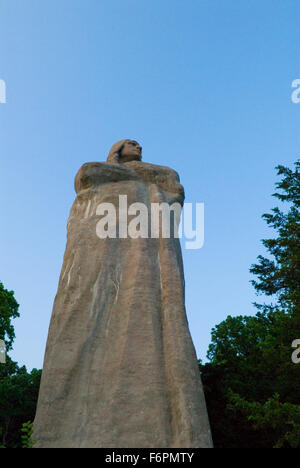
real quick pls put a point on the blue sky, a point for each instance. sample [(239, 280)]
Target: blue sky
[(203, 85)]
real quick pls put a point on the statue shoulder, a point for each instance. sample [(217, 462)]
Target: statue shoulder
[(96, 173), (164, 177), (154, 172)]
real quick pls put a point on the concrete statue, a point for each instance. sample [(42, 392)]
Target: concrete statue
[(120, 368)]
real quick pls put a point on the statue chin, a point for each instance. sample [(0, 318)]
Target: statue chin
[(130, 157)]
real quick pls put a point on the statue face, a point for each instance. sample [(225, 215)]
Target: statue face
[(131, 151)]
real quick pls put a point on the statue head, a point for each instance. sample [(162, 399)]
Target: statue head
[(124, 151)]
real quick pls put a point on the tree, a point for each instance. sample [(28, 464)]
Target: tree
[(18, 388), (250, 369), (18, 399), (280, 276), (8, 311)]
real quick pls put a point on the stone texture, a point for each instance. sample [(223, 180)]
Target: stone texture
[(120, 367)]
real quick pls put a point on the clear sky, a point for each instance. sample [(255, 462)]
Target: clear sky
[(203, 85)]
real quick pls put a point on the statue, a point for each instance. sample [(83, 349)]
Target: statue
[(120, 369)]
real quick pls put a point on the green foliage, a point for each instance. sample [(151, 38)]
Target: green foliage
[(250, 383), (1, 431), (282, 418), (18, 388), (27, 431), (8, 311), (18, 398), (280, 275)]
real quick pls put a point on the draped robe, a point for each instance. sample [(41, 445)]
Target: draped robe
[(120, 369)]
